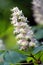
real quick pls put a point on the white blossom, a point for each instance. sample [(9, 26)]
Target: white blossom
[(24, 34), (23, 42), (32, 44), (19, 36), (14, 20), (38, 11)]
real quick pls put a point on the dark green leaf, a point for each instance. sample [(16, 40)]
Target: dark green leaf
[(39, 34), (38, 31)]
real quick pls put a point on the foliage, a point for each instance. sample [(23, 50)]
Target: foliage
[(13, 56)]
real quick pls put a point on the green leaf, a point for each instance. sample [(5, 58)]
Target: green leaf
[(14, 57), (39, 34), (37, 49), (5, 63)]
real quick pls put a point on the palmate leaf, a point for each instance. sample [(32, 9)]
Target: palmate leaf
[(13, 57), (37, 49)]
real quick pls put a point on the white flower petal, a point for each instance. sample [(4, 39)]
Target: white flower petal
[(15, 9), (32, 44), (19, 36), (23, 42)]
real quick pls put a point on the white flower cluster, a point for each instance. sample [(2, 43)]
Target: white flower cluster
[(24, 34), (38, 11), (2, 47)]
